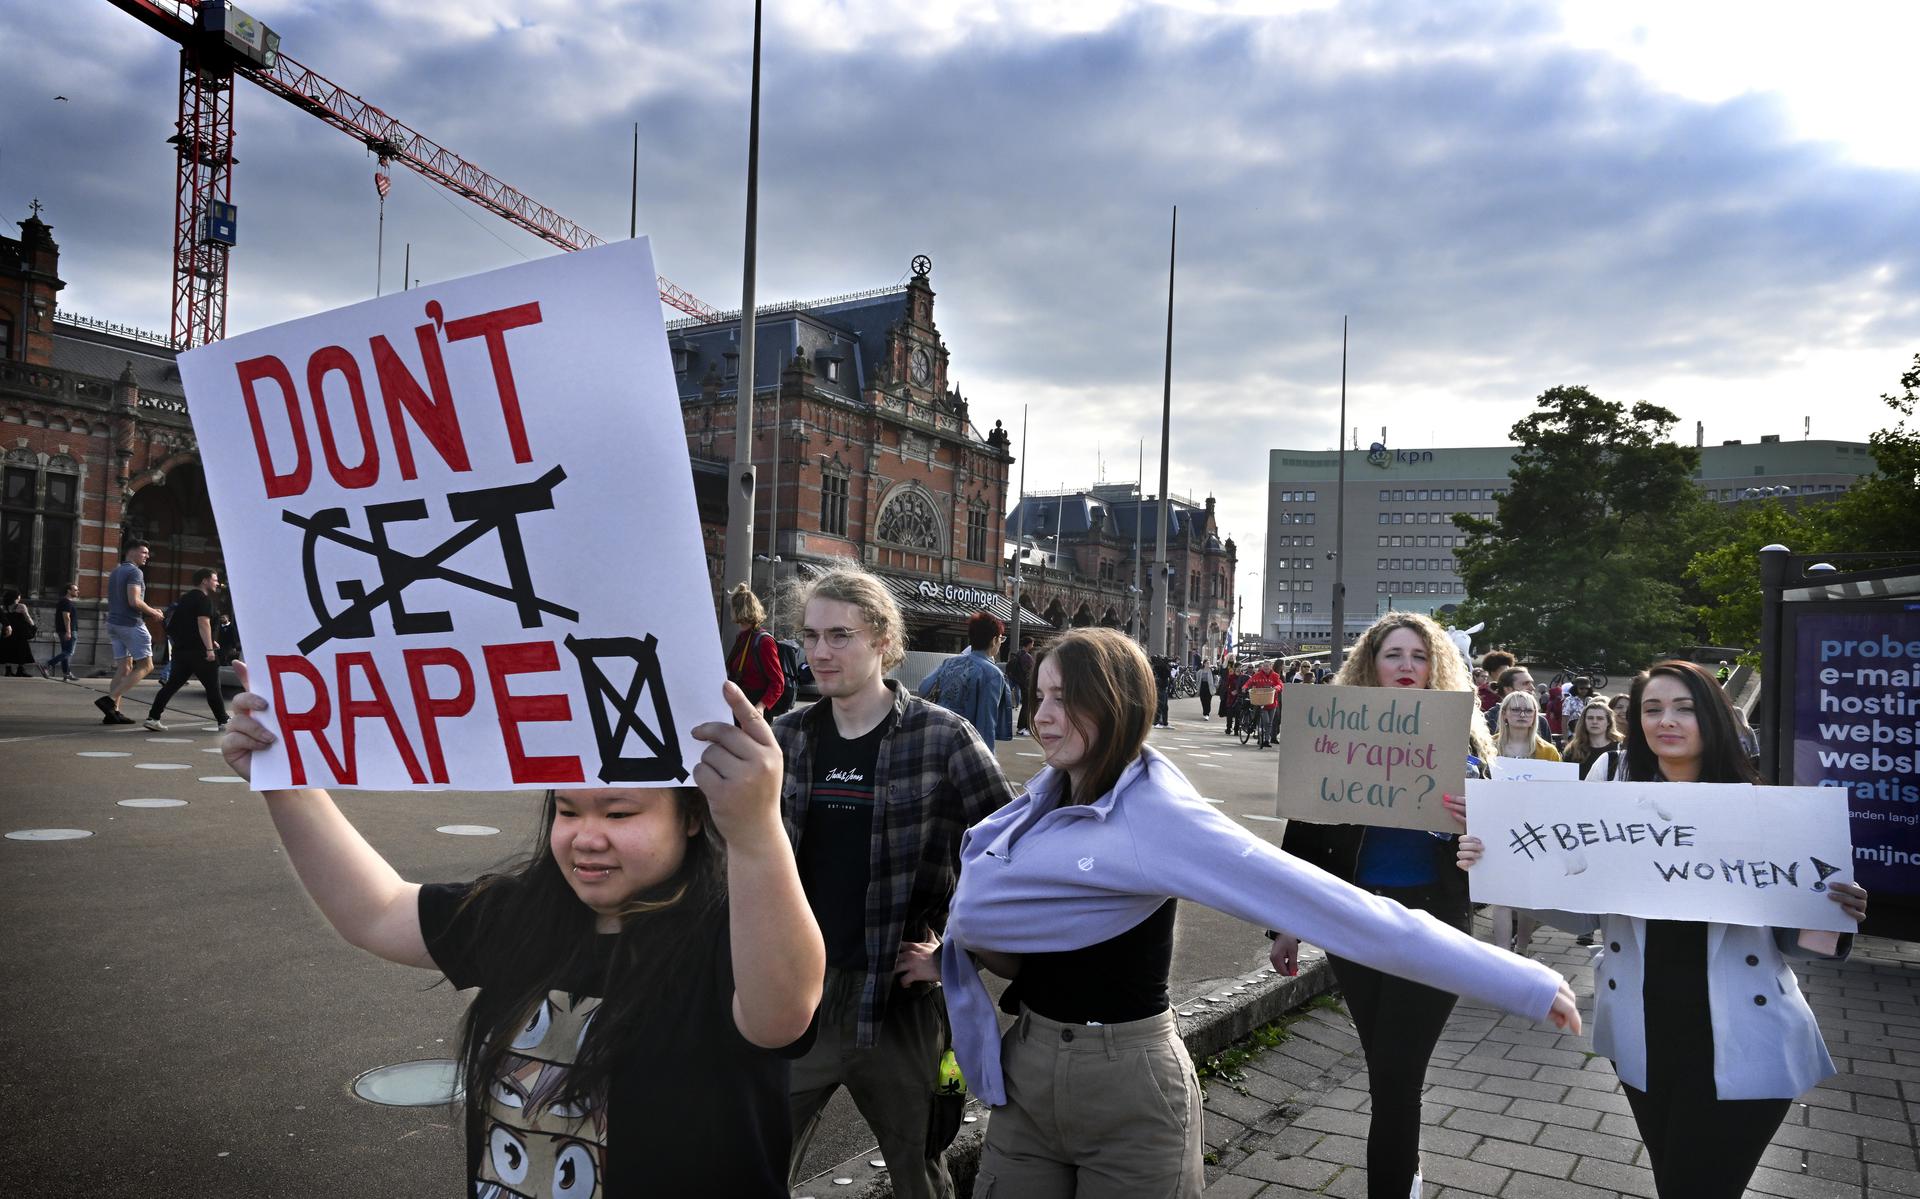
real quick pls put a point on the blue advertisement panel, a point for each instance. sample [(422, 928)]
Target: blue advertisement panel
[(1856, 724)]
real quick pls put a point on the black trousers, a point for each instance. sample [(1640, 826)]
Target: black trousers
[(1399, 1023), (1699, 1145), (190, 661), (1160, 702)]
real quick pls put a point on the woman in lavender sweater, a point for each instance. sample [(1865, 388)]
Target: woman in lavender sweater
[(1069, 891)]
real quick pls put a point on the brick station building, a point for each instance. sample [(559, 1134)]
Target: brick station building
[(879, 460), (95, 446), (1080, 568)]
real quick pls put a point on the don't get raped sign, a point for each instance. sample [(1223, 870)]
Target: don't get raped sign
[(460, 528)]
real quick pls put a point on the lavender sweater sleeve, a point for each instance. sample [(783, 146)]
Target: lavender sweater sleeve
[(1190, 850)]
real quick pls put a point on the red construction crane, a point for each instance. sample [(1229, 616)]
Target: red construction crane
[(219, 41)]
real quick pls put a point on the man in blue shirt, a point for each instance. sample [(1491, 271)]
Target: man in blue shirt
[(971, 683), (132, 643)]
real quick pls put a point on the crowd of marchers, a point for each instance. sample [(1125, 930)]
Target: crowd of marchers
[(674, 981)]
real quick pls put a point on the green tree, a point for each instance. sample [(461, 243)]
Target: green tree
[(1581, 562), (1882, 512)]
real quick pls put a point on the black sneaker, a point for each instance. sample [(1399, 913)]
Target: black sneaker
[(120, 718)]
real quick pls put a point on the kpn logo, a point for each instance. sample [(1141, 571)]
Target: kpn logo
[(1378, 455)]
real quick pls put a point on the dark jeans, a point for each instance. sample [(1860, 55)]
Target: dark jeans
[(190, 662), (64, 659), (1160, 704), (1206, 702), (1399, 1023)]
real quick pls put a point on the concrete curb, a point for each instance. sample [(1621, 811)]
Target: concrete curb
[(1209, 1022)]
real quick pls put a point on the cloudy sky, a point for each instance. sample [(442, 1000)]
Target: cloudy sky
[(1718, 211)]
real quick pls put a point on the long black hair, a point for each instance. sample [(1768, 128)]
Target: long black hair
[(1722, 758), (543, 935)]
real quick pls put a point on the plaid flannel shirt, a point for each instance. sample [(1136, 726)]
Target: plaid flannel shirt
[(933, 780)]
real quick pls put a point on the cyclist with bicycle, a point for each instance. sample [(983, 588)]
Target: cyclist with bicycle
[(1263, 693)]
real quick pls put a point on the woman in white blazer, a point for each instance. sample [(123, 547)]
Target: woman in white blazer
[(1705, 1023)]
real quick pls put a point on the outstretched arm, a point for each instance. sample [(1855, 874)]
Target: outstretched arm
[(779, 960), (363, 897)]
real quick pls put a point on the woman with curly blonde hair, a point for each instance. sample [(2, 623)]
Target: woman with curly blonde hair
[(1399, 1021)]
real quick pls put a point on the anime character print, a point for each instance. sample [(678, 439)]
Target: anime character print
[(537, 1145)]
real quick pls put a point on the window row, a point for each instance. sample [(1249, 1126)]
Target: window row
[(1422, 518), (1293, 584), (1299, 497), (1413, 563), (1420, 587), (1297, 518), (1306, 541), (1421, 541), (1444, 494), (1294, 564), (1302, 609)]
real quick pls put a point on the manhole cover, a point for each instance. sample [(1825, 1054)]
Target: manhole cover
[(411, 1084)]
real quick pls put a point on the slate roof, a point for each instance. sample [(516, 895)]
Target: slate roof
[(104, 355), (855, 329), (1072, 516)]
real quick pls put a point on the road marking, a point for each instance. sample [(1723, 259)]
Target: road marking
[(103, 753), (161, 766)]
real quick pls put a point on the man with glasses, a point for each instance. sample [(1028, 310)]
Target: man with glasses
[(880, 785)]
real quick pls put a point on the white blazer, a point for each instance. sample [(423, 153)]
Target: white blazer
[(1766, 1043)]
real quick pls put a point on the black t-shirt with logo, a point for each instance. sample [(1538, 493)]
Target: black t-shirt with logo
[(836, 846), (693, 1108)]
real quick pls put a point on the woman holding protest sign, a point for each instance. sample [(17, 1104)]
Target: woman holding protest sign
[(1595, 742), (1704, 1022), (1399, 1020), (642, 976), (1069, 890)]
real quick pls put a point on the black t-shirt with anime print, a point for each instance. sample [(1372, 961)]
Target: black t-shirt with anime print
[(693, 1108)]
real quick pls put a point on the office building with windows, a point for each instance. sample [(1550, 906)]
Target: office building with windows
[(1400, 534)]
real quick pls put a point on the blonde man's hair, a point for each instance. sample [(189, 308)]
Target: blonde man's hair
[(746, 606), (1446, 669), (864, 590)]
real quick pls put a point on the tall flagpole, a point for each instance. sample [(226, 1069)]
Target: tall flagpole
[(739, 564), (1139, 503), (1020, 540), (1337, 642), (1157, 635), (633, 202)]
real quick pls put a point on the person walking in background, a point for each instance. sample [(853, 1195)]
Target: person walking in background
[(16, 634), (1071, 890), (753, 664), (1399, 1020), (1519, 737), (1162, 688), (127, 610), (1705, 1023), (971, 683), (192, 650), (66, 615), (1595, 742), (880, 786), (1206, 693), (1020, 674)]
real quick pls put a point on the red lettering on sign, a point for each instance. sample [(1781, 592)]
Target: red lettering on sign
[(531, 657), (295, 481), (313, 721), (493, 326), (325, 361), (432, 710), (435, 416), (381, 705)]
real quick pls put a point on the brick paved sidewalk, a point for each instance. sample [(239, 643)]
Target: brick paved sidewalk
[(1512, 1110)]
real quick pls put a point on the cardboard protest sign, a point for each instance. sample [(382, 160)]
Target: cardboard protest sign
[(1521, 770), (1727, 852), (460, 528), (1372, 755)]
